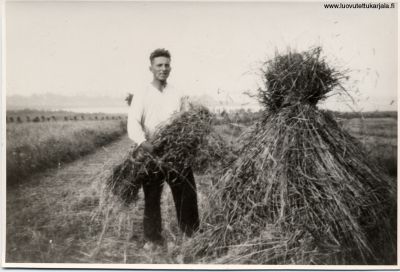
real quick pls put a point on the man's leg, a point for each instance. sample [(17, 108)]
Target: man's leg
[(183, 189), (152, 188)]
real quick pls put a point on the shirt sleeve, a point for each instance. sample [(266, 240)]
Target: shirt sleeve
[(135, 114)]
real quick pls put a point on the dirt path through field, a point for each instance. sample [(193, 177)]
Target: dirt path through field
[(54, 217)]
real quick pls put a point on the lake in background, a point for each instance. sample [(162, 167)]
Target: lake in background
[(116, 110)]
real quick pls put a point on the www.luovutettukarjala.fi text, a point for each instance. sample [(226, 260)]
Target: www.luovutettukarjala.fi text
[(360, 5)]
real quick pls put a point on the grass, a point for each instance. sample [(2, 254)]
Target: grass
[(54, 216), (33, 147)]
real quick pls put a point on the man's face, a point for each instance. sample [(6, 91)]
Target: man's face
[(160, 67)]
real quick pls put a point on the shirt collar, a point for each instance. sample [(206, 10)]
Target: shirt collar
[(167, 87)]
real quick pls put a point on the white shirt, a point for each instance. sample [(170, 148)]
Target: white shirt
[(152, 108)]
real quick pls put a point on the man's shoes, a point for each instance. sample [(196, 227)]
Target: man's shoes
[(153, 245), (149, 246)]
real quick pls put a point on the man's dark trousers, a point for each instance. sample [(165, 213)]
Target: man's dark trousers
[(183, 189)]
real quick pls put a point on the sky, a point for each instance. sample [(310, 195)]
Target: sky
[(102, 48)]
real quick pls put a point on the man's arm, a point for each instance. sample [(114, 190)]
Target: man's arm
[(136, 126), (135, 114)]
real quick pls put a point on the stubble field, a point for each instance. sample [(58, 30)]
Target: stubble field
[(56, 215)]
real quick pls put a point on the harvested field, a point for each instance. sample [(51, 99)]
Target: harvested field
[(379, 127), (54, 216), (379, 137)]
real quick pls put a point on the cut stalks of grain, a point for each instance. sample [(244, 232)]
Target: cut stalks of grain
[(302, 191), (175, 148)]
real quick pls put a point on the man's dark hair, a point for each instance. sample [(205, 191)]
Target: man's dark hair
[(161, 52)]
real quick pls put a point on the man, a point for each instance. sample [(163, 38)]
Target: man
[(148, 110)]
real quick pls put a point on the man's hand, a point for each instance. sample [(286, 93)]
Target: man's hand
[(147, 146), (128, 99)]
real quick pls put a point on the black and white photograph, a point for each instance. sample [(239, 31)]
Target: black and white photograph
[(199, 134)]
